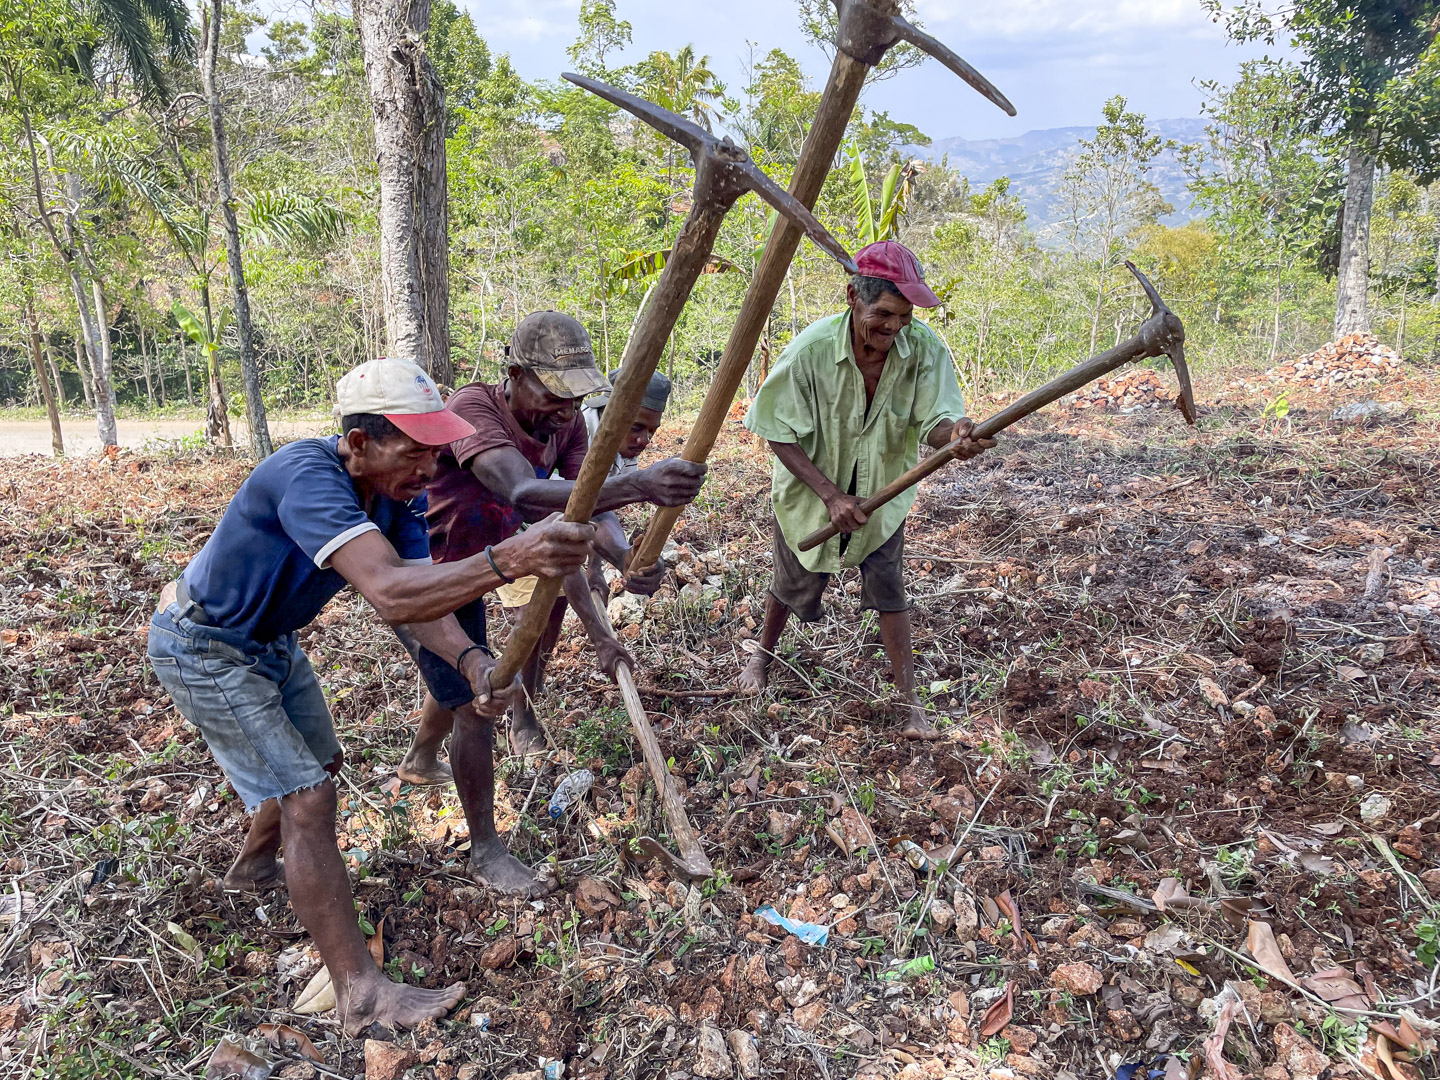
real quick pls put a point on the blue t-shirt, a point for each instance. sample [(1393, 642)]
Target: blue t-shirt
[(265, 570)]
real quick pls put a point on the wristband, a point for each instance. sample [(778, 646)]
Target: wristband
[(459, 660), (490, 554)]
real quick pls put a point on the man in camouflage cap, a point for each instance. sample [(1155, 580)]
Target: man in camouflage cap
[(528, 429)]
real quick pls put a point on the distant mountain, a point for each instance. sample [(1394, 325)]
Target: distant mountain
[(1036, 160)]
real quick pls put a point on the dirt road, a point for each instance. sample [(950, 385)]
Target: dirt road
[(33, 436)]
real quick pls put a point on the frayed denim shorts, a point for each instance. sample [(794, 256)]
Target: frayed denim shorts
[(259, 706)]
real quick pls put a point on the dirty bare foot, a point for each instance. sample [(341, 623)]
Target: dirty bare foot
[(254, 875), (374, 999), (424, 769), (918, 727), (492, 864), (754, 675), (526, 736)]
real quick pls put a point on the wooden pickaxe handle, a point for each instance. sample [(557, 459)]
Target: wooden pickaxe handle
[(865, 32), (1162, 333), (692, 862), (837, 104), (723, 172)]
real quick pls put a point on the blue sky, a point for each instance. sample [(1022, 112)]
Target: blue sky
[(1058, 60)]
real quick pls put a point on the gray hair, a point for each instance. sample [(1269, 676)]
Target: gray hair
[(870, 289)]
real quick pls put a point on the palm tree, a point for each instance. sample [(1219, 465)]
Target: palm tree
[(683, 84), (142, 34), (56, 41)]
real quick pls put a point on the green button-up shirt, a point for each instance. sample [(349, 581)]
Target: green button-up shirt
[(815, 396)]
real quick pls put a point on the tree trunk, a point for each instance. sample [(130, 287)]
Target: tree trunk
[(217, 409), (104, 388), (1352, 314), (260, 444), (145, 367), (185, 363), (408, 105), (85, 381), (32, 324), (55, 379)]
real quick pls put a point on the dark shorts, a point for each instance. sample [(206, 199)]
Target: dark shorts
[(259, 706), (446, 685), (882, 578)]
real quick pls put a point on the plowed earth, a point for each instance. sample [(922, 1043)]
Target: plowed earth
[(1152, 653)]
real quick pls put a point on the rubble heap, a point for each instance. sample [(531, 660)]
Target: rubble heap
[(1138, 389), (1353, 360)]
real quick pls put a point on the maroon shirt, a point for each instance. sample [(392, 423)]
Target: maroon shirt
[(465, 516)]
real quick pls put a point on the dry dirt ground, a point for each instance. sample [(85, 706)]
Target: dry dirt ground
[(1198, 664)]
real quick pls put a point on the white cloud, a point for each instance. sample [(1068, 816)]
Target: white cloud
[(1033, 18)]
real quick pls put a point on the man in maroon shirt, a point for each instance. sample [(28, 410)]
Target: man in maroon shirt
[(528, 428)]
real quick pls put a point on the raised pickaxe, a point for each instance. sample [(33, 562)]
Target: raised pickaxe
[(1162, 334), (723, 172), (867, 29)]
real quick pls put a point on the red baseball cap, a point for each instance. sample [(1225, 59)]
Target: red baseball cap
[(897, 264)]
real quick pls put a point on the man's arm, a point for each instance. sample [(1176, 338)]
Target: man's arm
[(423, 593), (445, 639), (607, 646), (845, 512), (504, 470)]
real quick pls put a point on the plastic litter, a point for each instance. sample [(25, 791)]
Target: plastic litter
[(808, 932), (570, 791)]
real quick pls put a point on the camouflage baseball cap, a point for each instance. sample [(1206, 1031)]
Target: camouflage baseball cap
[(556, 349)]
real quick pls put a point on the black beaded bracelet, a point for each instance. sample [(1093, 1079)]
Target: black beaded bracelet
[(459, 660), (490, 554)]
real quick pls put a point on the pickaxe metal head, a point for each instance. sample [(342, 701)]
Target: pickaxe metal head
[(867, 31), (1163, 332), (723, 171)]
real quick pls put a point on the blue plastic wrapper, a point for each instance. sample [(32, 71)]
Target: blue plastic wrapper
[(1142, 1070), (808, 932)]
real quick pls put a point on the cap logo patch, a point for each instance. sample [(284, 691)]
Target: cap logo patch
[(570, 350), (424, 385)]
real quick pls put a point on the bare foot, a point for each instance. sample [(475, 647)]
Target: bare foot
[(374, 999), (254, 875), (754, 675), (526, 737), (918, 728), (424, 770), (492, 864)]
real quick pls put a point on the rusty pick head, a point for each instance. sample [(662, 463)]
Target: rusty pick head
[(869, 28), (722, 169), (1164, 334)]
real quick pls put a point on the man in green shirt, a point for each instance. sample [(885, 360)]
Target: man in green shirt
[(844, 410)]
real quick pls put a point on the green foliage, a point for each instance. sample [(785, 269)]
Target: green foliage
[(1428, 931), (1368, 69), (557, 200), (879, 219)]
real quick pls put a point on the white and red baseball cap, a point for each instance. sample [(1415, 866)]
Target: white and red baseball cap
[(402, 393)]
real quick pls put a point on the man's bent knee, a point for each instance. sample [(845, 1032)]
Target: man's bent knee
[(312, 803)]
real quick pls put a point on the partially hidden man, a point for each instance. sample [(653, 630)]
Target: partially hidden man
[(519, 466), (316, 514), (844, 410)]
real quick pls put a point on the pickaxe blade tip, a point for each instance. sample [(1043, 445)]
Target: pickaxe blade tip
[(942, 52)]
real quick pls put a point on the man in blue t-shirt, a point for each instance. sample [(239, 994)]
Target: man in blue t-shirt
[(313, 516)]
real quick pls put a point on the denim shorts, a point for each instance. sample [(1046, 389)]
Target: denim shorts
[(259, 706), (448, 687)]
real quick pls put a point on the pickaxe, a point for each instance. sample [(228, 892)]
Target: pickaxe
[(723, 172), (1162, 334), (867, 29)]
